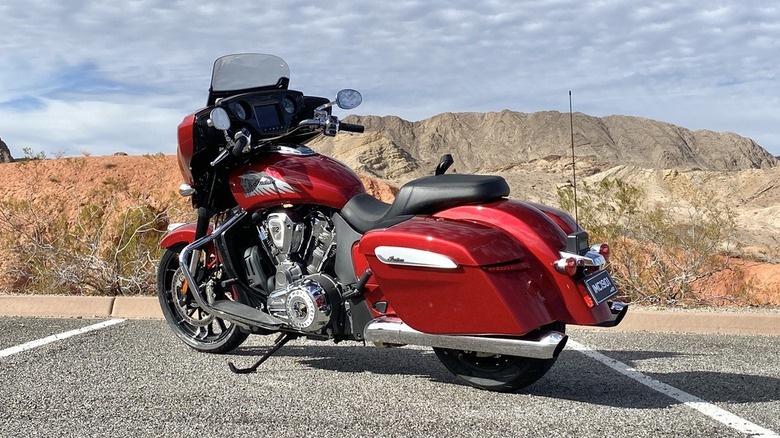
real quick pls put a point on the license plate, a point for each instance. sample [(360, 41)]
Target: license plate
[(600, 286)]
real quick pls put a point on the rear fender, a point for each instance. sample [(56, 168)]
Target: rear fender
[(542, 238)]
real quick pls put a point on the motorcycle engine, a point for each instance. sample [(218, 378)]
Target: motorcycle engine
[(300, 248)]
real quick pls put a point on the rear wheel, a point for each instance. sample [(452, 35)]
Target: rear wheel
[(196, 327), (496, 372)]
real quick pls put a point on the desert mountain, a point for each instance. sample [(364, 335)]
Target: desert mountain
[(533, 153), (396, 149)]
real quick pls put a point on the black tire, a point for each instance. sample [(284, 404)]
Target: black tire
[(496, 372), (197, 328)]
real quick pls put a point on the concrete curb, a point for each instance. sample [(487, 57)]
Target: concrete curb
[(761, 322), (137, 308), (727, 322), (55, 306)]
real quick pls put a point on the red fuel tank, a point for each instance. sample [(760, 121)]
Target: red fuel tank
[(294, 175)]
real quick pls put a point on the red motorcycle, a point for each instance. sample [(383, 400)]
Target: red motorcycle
[(288, 242)]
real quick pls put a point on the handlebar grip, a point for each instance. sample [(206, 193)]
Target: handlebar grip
[(238, 148), (351, 127)]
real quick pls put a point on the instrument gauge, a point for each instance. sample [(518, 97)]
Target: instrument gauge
[(240, 111), (288, 104)]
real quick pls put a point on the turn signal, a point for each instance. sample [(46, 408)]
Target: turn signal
[(567, 266), (603, 249), (186, 190)]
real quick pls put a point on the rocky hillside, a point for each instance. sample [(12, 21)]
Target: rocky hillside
[(5, 153), (396, 149)]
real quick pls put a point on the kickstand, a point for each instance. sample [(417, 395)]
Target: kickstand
[(278, 343)]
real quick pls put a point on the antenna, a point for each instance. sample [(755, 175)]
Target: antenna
[(573, 166)]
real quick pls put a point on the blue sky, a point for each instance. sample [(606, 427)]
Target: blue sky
[(108, 76)]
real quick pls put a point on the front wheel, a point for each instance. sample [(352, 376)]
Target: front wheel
[(197, 328), (496, 372)]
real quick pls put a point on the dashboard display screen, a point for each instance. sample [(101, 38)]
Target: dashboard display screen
[(267, 116)]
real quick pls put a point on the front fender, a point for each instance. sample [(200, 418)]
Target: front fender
[(182, 234)]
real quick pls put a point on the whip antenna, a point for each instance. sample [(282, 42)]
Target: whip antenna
[(573, 166)]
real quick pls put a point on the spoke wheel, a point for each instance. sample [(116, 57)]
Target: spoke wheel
[(495, 372), (193, 325)]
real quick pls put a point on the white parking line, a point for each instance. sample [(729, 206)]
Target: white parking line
[(49, 339), (708, 409)]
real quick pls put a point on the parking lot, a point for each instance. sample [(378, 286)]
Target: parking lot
[(133, 377)]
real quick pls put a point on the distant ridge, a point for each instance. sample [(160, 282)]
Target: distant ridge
[(394, 148)]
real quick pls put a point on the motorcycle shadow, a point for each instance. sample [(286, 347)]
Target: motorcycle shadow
[(356, 358), (574, 377)]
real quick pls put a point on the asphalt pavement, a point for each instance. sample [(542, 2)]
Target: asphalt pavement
[(136, 378)]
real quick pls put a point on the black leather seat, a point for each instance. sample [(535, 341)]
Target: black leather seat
[(423, 196)]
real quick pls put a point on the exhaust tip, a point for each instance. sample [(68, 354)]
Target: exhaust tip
[(561, 346)]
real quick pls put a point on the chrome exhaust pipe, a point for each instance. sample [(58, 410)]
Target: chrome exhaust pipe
[(394, 333)]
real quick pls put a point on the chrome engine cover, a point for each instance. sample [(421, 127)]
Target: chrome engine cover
[(304, 305), (286, 232)]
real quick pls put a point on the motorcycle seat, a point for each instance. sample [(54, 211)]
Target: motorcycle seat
[(425, 195)]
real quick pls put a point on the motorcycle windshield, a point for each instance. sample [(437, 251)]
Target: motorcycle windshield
[(248, 70)]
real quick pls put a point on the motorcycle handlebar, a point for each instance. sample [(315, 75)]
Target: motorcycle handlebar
[(351, 127), (238, 147)]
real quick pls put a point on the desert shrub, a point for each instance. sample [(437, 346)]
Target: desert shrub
[(101, 251), (661, 254)]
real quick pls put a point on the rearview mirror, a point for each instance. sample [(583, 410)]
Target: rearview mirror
[(219, 119), (348, 99)]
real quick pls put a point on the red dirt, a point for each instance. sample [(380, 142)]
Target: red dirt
[(763, 281), (62, 187), (78, 181)]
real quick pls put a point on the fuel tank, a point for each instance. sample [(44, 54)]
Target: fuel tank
[(293, 175)]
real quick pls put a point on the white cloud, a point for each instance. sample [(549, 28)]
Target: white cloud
[(96, 127), (696, 64)]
